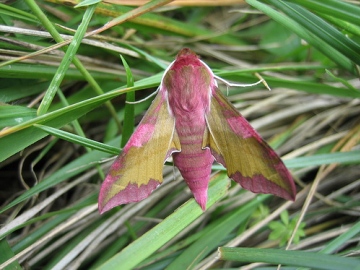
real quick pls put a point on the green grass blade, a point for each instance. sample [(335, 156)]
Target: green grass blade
[(341, 240), (338, 9), (288, 257), (318, 43), (55, 34), (322, 29), (7, 253), (212, 239), (140, 249), (16, 138), (72, 169), (79, 140), (129, 113), (17, 13), (345, 158), (66, 61)]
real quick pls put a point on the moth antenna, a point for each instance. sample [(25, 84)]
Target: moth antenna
[(141, 100), (229, 84)]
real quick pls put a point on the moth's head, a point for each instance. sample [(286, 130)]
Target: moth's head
[(187, 70), (186, 52), (186, 57)]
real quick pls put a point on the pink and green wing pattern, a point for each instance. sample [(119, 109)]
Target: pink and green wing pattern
[(138, 170), (249, 160)]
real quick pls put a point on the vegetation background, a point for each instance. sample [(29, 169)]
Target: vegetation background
[(63, 87)]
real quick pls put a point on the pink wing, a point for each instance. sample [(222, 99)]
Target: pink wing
[(137, 171)]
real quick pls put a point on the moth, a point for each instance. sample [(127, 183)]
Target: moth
[(194, 122)]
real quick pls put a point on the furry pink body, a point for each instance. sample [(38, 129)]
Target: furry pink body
[(189, 107)]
